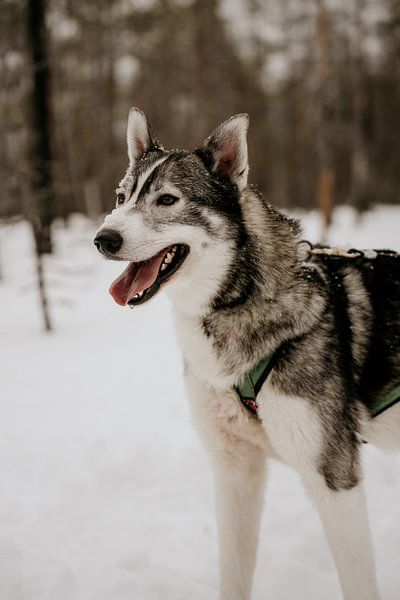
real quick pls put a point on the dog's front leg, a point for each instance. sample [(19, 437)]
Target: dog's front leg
[(239, 469), (239, 481)]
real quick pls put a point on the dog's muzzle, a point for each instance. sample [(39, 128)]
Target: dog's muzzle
[(108, 242)]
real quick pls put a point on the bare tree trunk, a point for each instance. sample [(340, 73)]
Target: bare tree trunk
[(360, 195), (15, 141), (326, 178), (40, 151), (42, 292)]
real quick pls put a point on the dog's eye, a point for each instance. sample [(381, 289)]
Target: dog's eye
[(166, 200), (120, 198)]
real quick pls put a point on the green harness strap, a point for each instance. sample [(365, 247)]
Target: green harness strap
[(388, 401), (251, 384)]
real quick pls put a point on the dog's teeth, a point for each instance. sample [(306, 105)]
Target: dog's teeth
[(168, 258)]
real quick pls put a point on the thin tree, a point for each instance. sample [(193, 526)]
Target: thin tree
[(360, 196), (40, 209), (40, 150), (325, 103)]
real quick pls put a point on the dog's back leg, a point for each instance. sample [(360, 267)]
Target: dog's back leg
[(239, 468), (345, 521), (295, 434)]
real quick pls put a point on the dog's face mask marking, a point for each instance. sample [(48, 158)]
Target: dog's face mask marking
[(175, 212)]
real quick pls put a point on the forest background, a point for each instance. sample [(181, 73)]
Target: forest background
[(320, 80)]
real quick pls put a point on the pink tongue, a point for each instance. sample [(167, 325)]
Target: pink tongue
[(136, 278)]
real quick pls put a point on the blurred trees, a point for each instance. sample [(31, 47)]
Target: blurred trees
[(319, 78)]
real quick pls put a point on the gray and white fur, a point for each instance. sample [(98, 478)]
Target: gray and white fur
[(242, 291)]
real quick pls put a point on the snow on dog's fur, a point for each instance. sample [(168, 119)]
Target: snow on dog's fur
[(241, 290)]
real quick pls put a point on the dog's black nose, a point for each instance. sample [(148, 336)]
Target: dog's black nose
[(108, 241)]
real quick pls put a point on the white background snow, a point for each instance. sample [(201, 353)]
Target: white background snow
[(105, 491)]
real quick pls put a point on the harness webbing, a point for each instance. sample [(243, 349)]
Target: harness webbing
[(251, 384), (249, 387), (389, 400)]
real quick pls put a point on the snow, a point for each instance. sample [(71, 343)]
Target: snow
[(106, 493)]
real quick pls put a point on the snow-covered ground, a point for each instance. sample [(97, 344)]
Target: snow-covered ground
[(105, 491)]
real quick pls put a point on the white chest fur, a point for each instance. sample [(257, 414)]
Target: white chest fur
[(199, 353)]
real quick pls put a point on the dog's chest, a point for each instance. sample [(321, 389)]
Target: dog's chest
[(200, 354), (215, 402)]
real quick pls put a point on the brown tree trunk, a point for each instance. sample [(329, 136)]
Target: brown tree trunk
[(41, 213), (325, 107), (360, 195)]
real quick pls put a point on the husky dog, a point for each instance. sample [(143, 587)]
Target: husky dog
[(243, 289)]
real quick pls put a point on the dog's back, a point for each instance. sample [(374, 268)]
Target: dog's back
[(365, 298)]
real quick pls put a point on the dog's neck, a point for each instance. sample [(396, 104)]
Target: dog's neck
[(268, 297)]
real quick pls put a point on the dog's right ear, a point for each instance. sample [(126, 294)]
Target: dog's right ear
[(139, 135)]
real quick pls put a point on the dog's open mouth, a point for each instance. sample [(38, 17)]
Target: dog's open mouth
[(141, 280)]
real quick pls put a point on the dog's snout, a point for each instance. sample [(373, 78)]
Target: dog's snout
[(108, 241)]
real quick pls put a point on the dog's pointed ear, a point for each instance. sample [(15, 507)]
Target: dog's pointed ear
[(226, 150), (139, 135)]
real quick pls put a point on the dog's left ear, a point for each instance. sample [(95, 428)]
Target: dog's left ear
[(226, 149), (139, 135)]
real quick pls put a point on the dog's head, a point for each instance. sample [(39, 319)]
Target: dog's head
[(177, 214)]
